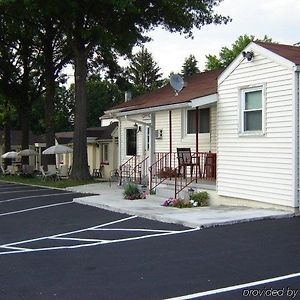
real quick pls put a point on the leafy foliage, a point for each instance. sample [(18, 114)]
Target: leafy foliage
[(131, 192), (190, 66), (144, 72), (196, 200), (227, 55), (201, 198)]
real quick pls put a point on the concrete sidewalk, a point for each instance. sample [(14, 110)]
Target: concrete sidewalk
[(111, 198)]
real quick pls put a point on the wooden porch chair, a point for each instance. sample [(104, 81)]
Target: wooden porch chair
[(185, 160), (98, 172), (4, 172), (210, 166)]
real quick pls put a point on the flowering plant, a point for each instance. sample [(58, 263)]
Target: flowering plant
[(179, 203), (170, 202), (196, 200)]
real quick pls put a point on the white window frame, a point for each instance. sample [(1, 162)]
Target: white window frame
[(242, 92)]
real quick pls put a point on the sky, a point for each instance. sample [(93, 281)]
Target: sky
[(278, 19)]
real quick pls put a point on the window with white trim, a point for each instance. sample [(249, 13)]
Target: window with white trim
[(203, 123), (252, 110), (105, 153)]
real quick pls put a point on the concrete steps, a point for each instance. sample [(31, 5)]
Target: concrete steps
[(167, 189)]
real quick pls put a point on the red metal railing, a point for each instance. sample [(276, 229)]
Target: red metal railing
[(127, 169), (166, 167), (156, 171), (134, 170), (205, 170)]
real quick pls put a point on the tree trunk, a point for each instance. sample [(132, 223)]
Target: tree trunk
[(80, 168), (24, 114), (6, 133), (49, 101)]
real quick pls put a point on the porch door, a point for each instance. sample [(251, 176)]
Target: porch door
[(131, 145)]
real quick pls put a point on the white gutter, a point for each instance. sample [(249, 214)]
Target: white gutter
[(137, 121), (153, 109), (206, 100), (295, 139)]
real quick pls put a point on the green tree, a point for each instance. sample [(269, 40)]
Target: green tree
[(227, 55), (101, 95), (189, 66), (20, 73), (143, 72), (115, 27), (64, 108)]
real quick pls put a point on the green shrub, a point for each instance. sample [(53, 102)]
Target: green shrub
[(131, 192), (201, 198)]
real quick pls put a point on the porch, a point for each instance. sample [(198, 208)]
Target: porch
[(200, 173)]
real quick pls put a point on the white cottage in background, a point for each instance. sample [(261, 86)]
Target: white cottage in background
[(241, 124), (102, 149)]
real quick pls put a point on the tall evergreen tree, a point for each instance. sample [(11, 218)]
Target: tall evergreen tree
[(143, 72), (189, 66)]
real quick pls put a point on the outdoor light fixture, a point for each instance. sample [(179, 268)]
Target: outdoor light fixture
[(144, 188), (137, 128), (249, 55), (191, 192)]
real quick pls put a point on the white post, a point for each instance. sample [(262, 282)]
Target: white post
[(152, 143)]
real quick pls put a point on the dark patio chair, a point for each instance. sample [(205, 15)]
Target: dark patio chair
[(185, 160)]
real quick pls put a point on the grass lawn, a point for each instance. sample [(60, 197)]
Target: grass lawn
[(48, 182)]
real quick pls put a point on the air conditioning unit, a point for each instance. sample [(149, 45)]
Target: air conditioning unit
[(158, 134)]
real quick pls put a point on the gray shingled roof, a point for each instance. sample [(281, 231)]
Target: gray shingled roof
[(101, 133)]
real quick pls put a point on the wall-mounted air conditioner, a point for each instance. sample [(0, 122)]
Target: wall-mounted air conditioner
[(158, 134)]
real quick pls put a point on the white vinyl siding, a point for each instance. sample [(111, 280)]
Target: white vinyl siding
[(256, 167), (180, 138), (207, 141), (127, 124)]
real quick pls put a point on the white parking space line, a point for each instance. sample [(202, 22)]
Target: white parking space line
[(16, 248), (90, 241), (134, 229), (33, 208), (67, 233), (36, 196), (235, 287), (78, 239), (150, 236)]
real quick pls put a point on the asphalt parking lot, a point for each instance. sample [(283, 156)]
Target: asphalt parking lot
[(52, 248)]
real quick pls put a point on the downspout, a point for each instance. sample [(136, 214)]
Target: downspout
[(119, 145), (170, 137), (297, 200), (295, 140), (152, 146), (197, 141)]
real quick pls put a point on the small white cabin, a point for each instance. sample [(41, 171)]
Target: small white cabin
[(241, 125), (258, 125)]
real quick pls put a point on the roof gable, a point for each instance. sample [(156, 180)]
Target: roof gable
[(103, 133), (292, 53), (288, 56)]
